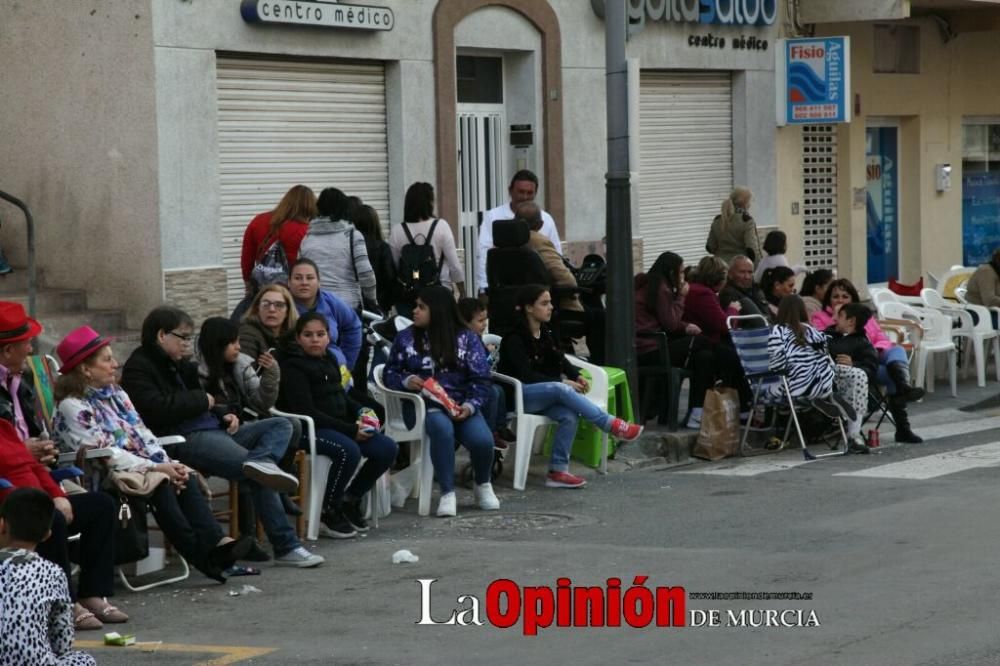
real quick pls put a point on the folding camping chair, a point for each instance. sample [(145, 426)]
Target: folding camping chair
[(751, 347)]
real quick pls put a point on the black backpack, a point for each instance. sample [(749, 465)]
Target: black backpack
[(418, 268)]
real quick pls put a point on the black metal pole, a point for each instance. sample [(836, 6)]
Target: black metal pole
[(620, 337), (30, 223)]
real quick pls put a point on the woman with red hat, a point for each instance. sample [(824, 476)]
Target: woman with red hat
[(94, 411)]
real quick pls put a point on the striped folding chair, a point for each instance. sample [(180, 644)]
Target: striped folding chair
[(751, 347)]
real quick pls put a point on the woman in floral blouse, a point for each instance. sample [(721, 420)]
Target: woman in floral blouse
[(94, 411)]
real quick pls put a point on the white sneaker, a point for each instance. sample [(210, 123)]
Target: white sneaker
[(299, 557), (446, 506), (486, 498), (270, 475)]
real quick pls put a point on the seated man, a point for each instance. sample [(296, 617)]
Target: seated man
[(740, 289)]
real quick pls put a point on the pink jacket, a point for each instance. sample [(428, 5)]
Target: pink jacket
[(823, 320)]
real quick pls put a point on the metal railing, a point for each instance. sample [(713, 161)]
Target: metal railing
[(30, 221)]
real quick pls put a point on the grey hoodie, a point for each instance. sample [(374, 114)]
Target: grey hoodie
[(328, 243)]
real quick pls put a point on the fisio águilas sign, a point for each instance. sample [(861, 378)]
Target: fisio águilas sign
[(814, 80), (718, 12), (318, 13)]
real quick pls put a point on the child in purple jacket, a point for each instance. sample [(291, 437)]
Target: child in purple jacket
[(439, 345)]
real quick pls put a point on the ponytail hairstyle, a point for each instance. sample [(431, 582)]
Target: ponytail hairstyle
[(773, 276), (792, 313), (737, 201), (815, 280), (665, 270), (445, 326)]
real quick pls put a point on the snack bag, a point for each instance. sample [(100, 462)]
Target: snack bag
[(368, 421), (433, 390)]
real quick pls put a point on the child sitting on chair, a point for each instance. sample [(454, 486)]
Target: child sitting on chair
[(801, 352), (494, 411), (853, 352), (36, 616)]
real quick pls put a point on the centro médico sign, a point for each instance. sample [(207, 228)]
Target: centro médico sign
[(318, 12), (720, 12)]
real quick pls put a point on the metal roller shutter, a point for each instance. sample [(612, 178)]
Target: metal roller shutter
[(686, 159), (282, 123)]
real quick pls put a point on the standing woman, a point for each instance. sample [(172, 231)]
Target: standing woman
[(379, 255), (734, 231), (94, 411), (659, 307), (418, 218), (439, 345), (339, 250), (345, 325), (286, 224), (553, 387), (310, 385)]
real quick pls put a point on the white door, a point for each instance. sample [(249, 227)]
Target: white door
[(283, 123), (685, 159)]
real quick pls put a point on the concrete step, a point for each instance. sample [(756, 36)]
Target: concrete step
[(56, 326)]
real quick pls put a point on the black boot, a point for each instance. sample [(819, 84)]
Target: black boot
[(897, 407), (899, 373)]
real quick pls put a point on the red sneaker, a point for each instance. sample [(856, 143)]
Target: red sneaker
[(564, 480), (625, 431)]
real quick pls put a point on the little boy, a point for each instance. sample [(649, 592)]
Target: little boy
[(850, 348), (495, 412), (36, 618)]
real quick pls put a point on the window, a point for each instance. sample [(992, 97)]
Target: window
[(980, 192), (480, 80), (897, 49)]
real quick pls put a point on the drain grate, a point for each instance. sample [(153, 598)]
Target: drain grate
[(509, 522)]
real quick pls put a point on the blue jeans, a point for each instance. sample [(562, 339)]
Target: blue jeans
[(474, 435), (894, 354), (216, 453), (379, 451), (495, 409), (565, 406)]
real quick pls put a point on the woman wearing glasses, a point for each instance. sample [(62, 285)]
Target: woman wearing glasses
[(271, 315)]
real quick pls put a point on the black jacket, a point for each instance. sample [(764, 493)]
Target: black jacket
[(858, 347), (29, 401), (166, 394), (380, 256), (532, 360), (311, 386), (752, 301)]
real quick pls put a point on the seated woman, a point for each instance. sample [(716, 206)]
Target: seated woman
[(801, 352), (659, 307), (439, 345), (164, 385), (776, 283), (272, 314), (814, 288), (894, 367), (552, 386), (94, 411), (310, 385)]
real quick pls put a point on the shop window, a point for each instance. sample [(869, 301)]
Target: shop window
[(480, 80), (980, 192), (897, 49)]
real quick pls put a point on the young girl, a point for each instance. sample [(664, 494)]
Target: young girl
[(894, 367), (439, 345), (801, 352), (495, 410), (775, 245), (235, 379), (552, 386), (310, 385), (814, 288)]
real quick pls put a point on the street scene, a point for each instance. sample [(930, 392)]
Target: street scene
[(432, 331)]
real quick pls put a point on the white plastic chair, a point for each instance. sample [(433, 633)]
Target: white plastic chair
[(396, 428), (937, 339), (880, 297), (962, 324), (976, 330)]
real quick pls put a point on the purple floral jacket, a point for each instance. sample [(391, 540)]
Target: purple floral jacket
[(469, 383)]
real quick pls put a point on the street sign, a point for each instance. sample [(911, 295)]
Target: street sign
[(814, 80)]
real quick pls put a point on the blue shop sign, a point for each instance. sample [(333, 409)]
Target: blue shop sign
[(322, 13), (706, 12), (814, 80)]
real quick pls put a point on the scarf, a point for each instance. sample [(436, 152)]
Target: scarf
[(115, 415)]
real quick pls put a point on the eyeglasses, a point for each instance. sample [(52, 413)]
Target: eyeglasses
[(273, 305), (186, 339)]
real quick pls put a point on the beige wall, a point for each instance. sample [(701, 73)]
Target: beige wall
[(954, 83), (78, 121)]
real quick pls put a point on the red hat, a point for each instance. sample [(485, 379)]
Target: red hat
[(78, 346), (15, 324)]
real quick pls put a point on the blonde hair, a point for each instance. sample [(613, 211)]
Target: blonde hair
[(738, 198), (291, 314), (299, 203), (711, 271)]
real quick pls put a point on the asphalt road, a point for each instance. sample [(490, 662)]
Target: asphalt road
[(900, 569)]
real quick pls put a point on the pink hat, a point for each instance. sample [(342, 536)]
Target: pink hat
[(78, 346)]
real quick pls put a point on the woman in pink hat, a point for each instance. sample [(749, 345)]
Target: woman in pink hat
[(94, 411)]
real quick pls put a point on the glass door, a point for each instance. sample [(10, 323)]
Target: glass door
[(980, 191), (882, 202)]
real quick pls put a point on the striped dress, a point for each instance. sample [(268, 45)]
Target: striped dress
[(808, 367)]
